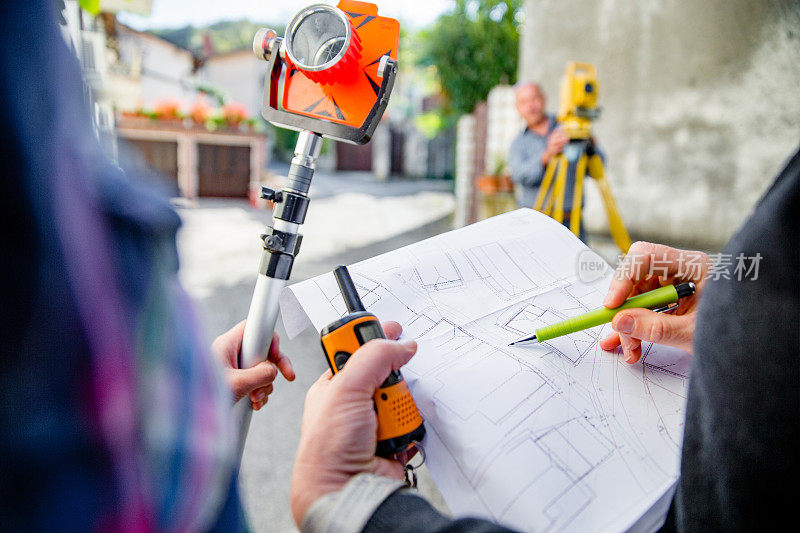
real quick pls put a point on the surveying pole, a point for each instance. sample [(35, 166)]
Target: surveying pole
[(281, 243), (330, 76)]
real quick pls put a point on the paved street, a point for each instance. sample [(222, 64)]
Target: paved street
[(351, 218)]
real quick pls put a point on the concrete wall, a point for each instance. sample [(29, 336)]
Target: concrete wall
[(465, 171), (503, 125), (700, 103)]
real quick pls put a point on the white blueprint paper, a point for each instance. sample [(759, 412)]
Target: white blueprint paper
[(548, 437)]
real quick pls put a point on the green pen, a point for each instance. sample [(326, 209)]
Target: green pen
[(660, 300)]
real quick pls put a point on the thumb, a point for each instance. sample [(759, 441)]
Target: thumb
[(660, 328), (244, 381), (371, 364)]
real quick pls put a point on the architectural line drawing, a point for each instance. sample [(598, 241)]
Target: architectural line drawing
[(542, 437)]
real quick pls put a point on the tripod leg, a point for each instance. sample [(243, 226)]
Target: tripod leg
[(577, 197), (545, 186), (560, 186), (618, 231), (548, 205)]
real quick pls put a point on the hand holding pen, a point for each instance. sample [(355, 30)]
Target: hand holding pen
[(635, 275)]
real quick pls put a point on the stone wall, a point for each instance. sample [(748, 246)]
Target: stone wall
[(701, 103), (503, 125), (465, 172)]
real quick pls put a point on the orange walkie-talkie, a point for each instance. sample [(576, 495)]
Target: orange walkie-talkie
[(399, 421)]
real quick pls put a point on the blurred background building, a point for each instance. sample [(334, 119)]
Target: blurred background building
[(188, 104), (698, 103)]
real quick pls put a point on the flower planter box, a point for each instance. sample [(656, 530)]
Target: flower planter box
[(496, 195)]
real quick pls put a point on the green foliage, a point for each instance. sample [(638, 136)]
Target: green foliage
[(430, 124), (286, 141), (473, 48), (178, 36), (225, 36), (213, 92), (91, 6)]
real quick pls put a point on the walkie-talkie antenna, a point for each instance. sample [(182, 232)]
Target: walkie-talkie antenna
[(348, 290)]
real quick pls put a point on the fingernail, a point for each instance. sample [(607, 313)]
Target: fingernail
[(410, 345), (630, 360), (624, 325), (260, 395), (607, 301)]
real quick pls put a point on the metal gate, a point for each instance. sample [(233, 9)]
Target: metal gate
[(352, 157), (223, 170)]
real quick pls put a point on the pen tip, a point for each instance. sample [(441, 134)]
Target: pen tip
[(512, 343)]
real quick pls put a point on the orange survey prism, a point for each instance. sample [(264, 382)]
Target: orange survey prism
[(333, 71), (399, 422)]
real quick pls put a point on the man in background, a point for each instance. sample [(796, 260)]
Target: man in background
[(532, 149)]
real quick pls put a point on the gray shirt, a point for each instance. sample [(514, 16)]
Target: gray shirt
[(525, 162)]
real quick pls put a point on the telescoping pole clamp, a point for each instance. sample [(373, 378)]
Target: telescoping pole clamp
[(281, 243)]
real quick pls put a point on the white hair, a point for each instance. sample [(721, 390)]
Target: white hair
[(527, 83)]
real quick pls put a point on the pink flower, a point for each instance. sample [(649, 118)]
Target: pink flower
[(200, 111), (235, 113), (168, 108)]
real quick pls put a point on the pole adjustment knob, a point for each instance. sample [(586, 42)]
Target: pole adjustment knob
[(272, 242), (271, 194)]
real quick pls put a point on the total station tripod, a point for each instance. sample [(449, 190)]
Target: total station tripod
[(577, 109)]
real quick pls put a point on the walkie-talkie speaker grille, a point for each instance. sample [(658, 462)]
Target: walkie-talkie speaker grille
[(405, 410), (321, 43)]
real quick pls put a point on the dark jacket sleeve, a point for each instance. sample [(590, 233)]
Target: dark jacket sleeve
[(57, 468), (403, 512), (742, 432)]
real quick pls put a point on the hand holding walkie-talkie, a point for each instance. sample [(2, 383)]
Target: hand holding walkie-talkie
[(399, 421)]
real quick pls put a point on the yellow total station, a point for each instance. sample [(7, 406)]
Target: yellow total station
[(577, 109)]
